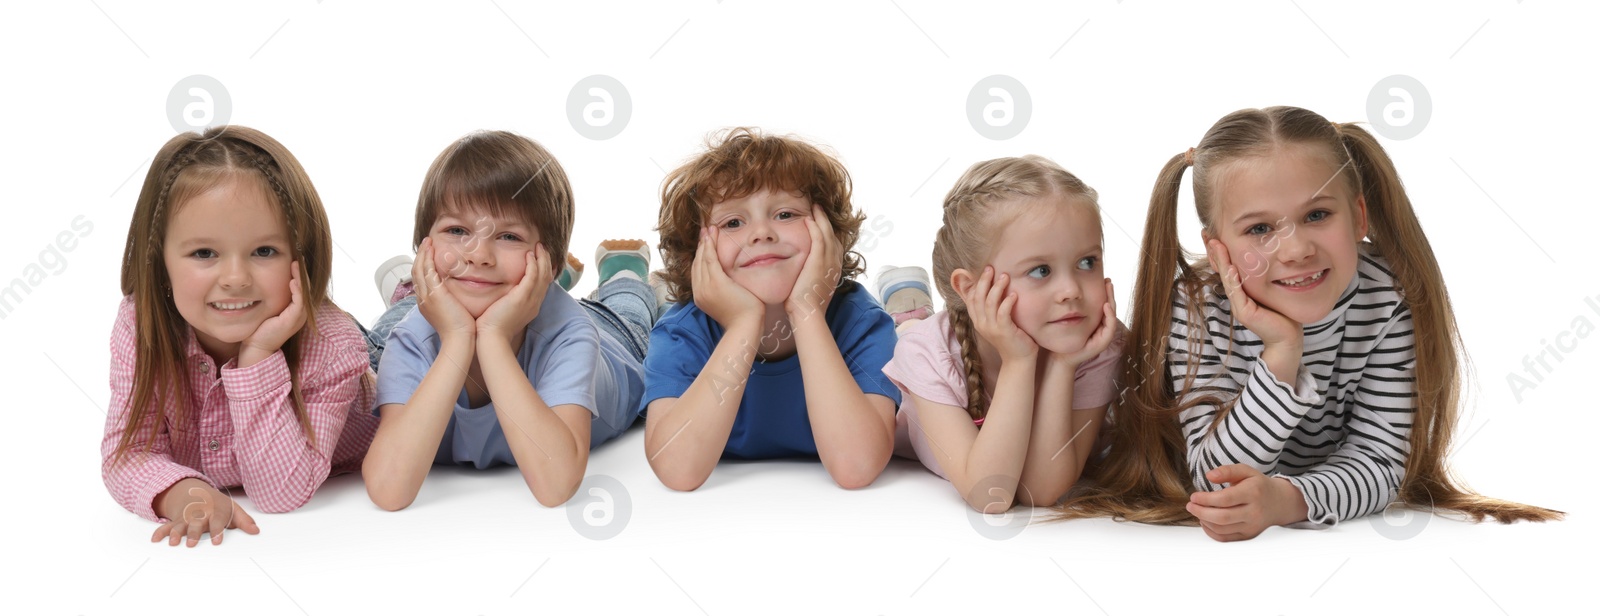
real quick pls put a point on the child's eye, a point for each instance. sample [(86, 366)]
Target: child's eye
[(786, 215), (1088, 263), (1258, 229), (1318, 215), (265, 251), (203, 253), (733, 223), (510, 237), (456, 231), (1041, 271)]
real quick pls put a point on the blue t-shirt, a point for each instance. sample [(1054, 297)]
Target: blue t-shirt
[(772, 420), (568, 361)]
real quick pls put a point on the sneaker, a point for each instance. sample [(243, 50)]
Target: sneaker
[(623, 257), (571, 273), (390, 275), (904, 290)]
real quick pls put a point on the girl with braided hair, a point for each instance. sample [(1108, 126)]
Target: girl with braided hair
[(1006, 390), (230, 367)]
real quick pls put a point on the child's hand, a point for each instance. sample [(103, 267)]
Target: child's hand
[(1251, 503), (715, 293), (509, 316), (276, 330), (442, 310), (819, 277), (989, 305), (200, 509), (1102, 336), (1272, 327)]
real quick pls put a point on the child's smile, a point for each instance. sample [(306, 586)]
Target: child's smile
[(763, 241), (228, 256), (1292, 229)]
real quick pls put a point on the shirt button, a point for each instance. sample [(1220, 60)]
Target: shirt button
[(205, 365), (214, 445)]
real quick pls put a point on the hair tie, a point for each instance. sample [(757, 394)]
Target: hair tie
[(1188, 157)]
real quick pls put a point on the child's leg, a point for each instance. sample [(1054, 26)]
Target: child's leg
[(904, 292), (624, 306), (394, 285)]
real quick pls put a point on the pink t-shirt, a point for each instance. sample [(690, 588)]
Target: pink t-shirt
[(927, 362)]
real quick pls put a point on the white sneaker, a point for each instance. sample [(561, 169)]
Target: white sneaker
[(891, 279), (391, 274)]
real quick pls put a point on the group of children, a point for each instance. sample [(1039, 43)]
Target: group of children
[(1303, 373)]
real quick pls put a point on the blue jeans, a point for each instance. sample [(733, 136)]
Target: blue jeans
[(624, 309)]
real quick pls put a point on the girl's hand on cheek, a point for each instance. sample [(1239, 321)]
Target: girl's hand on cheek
[(715, 293), (990, 304), (434, 300), (1272, 327), (1103, 334), (276, 330)]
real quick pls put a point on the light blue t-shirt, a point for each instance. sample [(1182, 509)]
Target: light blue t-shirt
[(772, 421), (568, 360)]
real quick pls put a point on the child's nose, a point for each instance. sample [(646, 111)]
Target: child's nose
[(1295, 247), (762, 230), (235, 274), (1069, 289)]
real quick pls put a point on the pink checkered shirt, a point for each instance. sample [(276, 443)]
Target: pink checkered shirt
[(242, 430)]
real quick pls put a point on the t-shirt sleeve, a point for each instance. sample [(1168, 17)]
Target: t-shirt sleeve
[(1094, 384), (922, 365), (867, 345), (405, 361), (679, 349), (566, 374)]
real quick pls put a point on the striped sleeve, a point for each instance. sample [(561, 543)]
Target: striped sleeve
[(1265, 411), (1363, 475)]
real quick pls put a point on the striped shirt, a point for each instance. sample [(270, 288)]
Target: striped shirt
[(1340, 434), (242, 429)]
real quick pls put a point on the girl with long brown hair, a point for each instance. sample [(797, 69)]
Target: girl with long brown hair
[(229, 365), (1306, 372)]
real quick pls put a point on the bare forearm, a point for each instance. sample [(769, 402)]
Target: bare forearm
[(545, 448), (999, 453), (1053, 464), (408, 437), (1283, 359), (854, 438), (684, 443)]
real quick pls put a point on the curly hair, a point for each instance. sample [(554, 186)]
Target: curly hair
[(737, 163)]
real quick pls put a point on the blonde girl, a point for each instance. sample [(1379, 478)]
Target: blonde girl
[(1006, 390)]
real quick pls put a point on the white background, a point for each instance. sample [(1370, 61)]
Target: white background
[(366, 96)]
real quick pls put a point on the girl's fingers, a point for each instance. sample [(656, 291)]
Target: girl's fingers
[(161, 531), (243, 521), (175, 533), (196, 529), (215, 526)]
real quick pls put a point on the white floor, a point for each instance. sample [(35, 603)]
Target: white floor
[(774, 537), (1497, 148)]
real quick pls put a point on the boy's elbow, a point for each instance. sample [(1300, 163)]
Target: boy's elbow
[(385, 494), (680, 479), (553, 496)]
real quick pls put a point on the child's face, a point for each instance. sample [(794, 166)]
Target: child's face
[(1051, 250), (479, 256), (227, 252), (1292, 228), (764, 242)]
